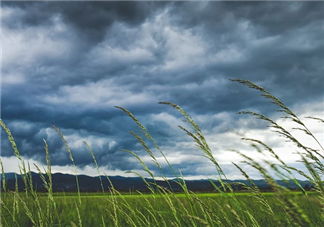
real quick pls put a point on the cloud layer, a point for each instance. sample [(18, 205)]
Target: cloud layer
[(69, 63)]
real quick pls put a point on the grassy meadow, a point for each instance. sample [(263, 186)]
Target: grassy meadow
[(162, 207), (148, 210)]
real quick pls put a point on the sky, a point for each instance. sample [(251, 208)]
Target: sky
[(69, 64)]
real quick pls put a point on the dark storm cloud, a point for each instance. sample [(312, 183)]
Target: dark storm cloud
[(88, 24), (90, 19), (293, 61), (69, 63)]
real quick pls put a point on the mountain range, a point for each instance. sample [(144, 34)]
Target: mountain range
[(67, 183)]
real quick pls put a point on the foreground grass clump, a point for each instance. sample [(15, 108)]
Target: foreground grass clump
[(165, 208)]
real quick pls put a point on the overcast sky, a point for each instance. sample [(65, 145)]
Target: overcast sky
[(69, 63)]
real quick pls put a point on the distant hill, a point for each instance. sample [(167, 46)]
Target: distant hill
[(67, 183), (9, 176)]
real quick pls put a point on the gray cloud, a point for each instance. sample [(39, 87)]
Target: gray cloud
[(69, 63)]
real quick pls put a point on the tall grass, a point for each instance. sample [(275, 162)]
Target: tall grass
[(165, 208)]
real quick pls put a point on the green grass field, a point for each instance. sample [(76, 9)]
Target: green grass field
[(162, 207), (155, 210)]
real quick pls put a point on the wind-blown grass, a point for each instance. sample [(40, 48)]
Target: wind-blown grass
[(165, 208)]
